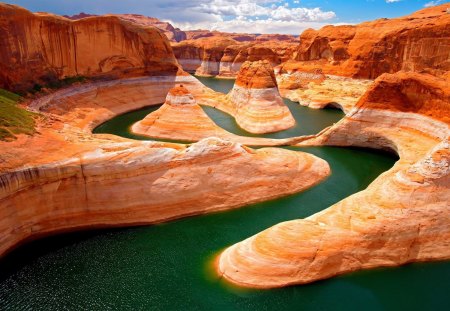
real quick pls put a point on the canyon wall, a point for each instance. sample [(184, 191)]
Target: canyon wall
[(401, 217), (42, 48), (172, 33), (417, 42), (223, 55)]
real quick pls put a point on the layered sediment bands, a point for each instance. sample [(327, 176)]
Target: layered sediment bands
[(317, 90), (42, 48), (401, 217), (202, 56), (128, 184), (223, 55), (181, 118), (416, 42), (258, 106), (65, 178)]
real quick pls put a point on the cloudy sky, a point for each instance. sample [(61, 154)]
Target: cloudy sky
[(250, 16)]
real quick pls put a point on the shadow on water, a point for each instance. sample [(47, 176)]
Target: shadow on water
[(168, 266)]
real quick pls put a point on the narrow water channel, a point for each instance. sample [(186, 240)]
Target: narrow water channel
[(168, 266)]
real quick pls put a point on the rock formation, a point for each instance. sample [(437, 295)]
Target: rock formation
[(64, 178), (316, 90), (416, 42), (258, 106), (181, 118), (401, 217), (41, 48), (172, 33), (224, 55), (202, 56)]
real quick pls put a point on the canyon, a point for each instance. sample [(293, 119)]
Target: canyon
[(390, 77)]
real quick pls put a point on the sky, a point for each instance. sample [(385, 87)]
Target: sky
[(248, 16)]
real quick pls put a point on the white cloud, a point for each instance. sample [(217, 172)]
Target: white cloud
[(235, 15), (243, 25), (432, 3), (255, 8), (392, 1)]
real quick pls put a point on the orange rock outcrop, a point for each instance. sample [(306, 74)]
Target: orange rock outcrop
[(417, 42), (401, 217), (223, 55), (172, 33), (256, 101), (41, 48), (181, 118)]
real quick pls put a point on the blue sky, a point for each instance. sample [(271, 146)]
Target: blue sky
[(254, 16)]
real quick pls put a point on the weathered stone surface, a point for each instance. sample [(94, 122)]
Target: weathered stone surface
[(41, 48), (65, 178), (172, 33), (401, 217), (223, 55), (417, 42), (181, 118), (258, 106)]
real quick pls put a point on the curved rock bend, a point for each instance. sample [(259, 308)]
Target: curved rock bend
[(181, 118), (403, 216), (42, 48), (257, 104), (65, 178)]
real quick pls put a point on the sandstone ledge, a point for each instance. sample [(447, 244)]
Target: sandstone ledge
[(65, 178), (401, 217)]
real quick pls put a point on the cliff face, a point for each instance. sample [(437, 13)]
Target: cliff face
[(401, 217), (417, 42), (40, 48), (172, 33), (223, 55)]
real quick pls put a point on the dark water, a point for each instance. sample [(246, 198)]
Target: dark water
[(168, 266)]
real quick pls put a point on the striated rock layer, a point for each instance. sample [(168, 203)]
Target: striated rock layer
[(223, 55), (417, 42), (65, 178), (403, 216), (42, 48), (316, 90), (181, 118), (258, 106)]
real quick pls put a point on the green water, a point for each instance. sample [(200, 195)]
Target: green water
[(168, 266)]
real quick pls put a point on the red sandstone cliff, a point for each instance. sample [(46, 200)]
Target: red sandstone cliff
[(224, 55), (40, 48), (416, 42), (172, 33)]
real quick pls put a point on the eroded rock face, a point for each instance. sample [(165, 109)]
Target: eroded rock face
[(41, 48), (181, 118), (258, 106), (401, 217), (65, 178), (417, 42), (172, 33), (223, 55)]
